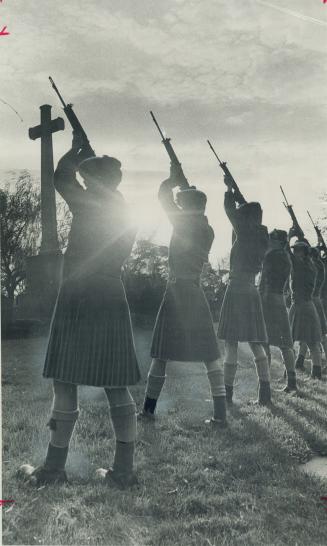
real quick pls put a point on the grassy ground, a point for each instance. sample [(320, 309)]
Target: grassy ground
[(198, 486)]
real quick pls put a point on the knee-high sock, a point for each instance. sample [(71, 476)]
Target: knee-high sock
[(123, 418), (216, 378), (122, 413), (230, 364), (268, 353), (230, 369), (303, 349), (261, 361), (262, 369), (62, 421), (61, 426), (64, 413), (156, 379), (315, 355), (289, 360), (324, 344)]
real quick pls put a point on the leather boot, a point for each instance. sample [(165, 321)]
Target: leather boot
[(264, 393), (229, 394)]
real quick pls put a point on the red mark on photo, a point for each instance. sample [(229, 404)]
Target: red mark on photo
[(4, 502), (4, 32)]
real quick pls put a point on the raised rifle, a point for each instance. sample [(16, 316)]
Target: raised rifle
[(321, 241), (223, 166), (73, 119), (289, 208), (171, 152)]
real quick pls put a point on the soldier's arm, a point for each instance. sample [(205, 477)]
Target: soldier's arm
[(231, 210), (166, 198), (65, 180)]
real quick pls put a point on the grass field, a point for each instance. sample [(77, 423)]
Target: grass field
[(198, 486)]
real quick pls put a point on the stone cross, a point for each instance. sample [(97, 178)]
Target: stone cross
[(49, 241)]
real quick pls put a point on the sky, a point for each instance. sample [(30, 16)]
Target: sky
[(250, 75)]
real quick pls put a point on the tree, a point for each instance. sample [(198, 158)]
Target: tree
[(145, 276), (20, 227)]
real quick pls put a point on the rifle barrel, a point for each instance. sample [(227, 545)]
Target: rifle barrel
[(286, 202), (214, 151), (314, 225), (57, 91), (157, 125)]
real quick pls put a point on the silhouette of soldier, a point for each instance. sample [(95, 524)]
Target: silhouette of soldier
[(241, 317), (184, 328), (304, 318), (318, 302), (275, 277), (91, 340)]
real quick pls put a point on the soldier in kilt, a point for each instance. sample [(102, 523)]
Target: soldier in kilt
[(184, 328), (91, 340), (323, 292), (241, 317), (276, 271), (304, 318), (317, 300)]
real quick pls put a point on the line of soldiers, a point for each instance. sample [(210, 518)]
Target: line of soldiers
[(91, 339)]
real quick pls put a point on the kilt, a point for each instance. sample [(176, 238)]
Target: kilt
[(184, 328), (305, 323), (277, 320), (321, 313), (241, 317), (91, 340)]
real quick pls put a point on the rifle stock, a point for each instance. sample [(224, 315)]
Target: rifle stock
[(73, 119), (289, 208), (321, 241), (171, 153), (223, 166)]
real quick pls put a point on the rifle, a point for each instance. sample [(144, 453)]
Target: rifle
[(171, 152), (72, 118), (321, 241), (223, 166), (291, 212)]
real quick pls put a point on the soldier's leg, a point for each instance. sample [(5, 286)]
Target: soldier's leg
[(155, 382), (123, 418), (63, 418), (303, 349), (324, 344), (263, 372), (230, 368), (215, 374), (316, 360), (289, 361), (268, 353)]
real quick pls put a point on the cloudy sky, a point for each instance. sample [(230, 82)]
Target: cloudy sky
[(248, 74)]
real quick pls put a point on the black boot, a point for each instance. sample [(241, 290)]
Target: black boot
[(149, 407), (121, 474), (219, 412), (52, 471), (291, 382), (264, 393), (229, 394), (316, 372), (299, 364)]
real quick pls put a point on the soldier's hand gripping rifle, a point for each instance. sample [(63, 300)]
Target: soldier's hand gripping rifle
[(183, 183), (321, 241), (223, 165), (74, 121), (298, 232)]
